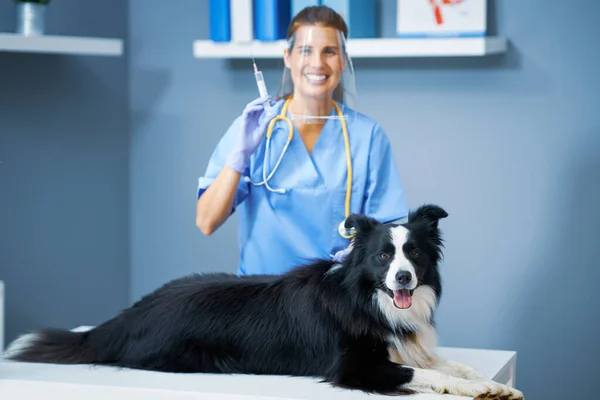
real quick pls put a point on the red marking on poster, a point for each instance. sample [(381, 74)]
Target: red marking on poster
[(437, 8)]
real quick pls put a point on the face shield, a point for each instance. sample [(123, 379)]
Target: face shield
[(317, 70)]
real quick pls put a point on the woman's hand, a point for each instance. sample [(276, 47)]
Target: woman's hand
[(251, 133)]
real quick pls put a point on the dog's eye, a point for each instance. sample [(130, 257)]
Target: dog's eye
[(383, 256), (415, 253)]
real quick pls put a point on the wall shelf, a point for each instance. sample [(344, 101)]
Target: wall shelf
[(363, 48), (71, 45)]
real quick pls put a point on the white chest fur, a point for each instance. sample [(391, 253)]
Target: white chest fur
[(417, 350)]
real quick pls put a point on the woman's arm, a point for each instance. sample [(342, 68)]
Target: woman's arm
[(218, 193), (215, 205)]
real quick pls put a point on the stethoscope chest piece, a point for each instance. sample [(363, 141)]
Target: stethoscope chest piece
[(346, 233)]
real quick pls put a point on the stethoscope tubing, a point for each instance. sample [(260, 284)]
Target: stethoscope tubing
[(282, 117)]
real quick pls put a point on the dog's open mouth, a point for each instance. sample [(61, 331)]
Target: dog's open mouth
[(402, 298)]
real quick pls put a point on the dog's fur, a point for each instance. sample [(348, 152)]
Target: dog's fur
[(353, 324)]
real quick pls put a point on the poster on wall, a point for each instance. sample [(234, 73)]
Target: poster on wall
[(441, 18)]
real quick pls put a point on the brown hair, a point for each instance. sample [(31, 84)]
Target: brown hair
[(319, 16)]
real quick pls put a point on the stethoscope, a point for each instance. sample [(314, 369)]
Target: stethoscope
[(283, 117)]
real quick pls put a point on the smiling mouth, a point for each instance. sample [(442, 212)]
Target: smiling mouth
[(316, 79), (402, 298)]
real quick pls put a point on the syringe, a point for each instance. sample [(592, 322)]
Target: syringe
[(262, 88)]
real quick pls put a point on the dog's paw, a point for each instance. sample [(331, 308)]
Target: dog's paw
[(460, 370), (497, 391), (475, 389), (473, 375), (425, 380), (515, 394)]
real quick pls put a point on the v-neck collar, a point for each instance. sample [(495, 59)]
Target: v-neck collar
[(310, 162), (322, 137)]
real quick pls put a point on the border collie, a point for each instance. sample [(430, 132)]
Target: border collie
[(364, 323)]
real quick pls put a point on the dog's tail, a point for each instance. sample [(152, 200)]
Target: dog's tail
[(55, 346)]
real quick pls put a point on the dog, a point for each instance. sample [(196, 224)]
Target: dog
[(364, 323)]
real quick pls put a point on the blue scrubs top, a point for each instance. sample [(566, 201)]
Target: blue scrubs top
[(278, 231)]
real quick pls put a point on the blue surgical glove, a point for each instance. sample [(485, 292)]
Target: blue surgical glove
[(342, 254), (251, 132)]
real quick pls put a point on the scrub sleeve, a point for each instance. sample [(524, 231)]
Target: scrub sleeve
[(217, 162)]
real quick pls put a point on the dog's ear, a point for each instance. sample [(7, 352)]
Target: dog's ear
[(428, 213), (360, 223)]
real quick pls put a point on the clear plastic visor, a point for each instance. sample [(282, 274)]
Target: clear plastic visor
[(318, 77)]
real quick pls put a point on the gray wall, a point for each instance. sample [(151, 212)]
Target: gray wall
[(508, 145), (64, 153)]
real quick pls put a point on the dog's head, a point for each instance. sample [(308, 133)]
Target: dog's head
[(398, 258)]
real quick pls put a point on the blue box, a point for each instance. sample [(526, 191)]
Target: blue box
[(271, 19), (360, 16), (220, 20)]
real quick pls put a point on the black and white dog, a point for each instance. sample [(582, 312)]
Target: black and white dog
[(365, 323)]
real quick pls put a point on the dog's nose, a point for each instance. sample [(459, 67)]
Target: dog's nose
[(403, 277)]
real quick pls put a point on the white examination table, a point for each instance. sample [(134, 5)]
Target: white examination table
[(78, 382)]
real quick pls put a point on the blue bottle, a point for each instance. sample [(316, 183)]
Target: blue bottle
[(271, 19), (299, 5), (220, 20), (360, 16)]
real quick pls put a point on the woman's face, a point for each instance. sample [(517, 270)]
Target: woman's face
[(315, 61)]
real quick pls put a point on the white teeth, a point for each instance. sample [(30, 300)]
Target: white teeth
[(316, 78)]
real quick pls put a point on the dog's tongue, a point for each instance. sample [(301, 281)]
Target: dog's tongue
[(402, 298)]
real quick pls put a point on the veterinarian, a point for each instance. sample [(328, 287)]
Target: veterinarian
[(336, 161)]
